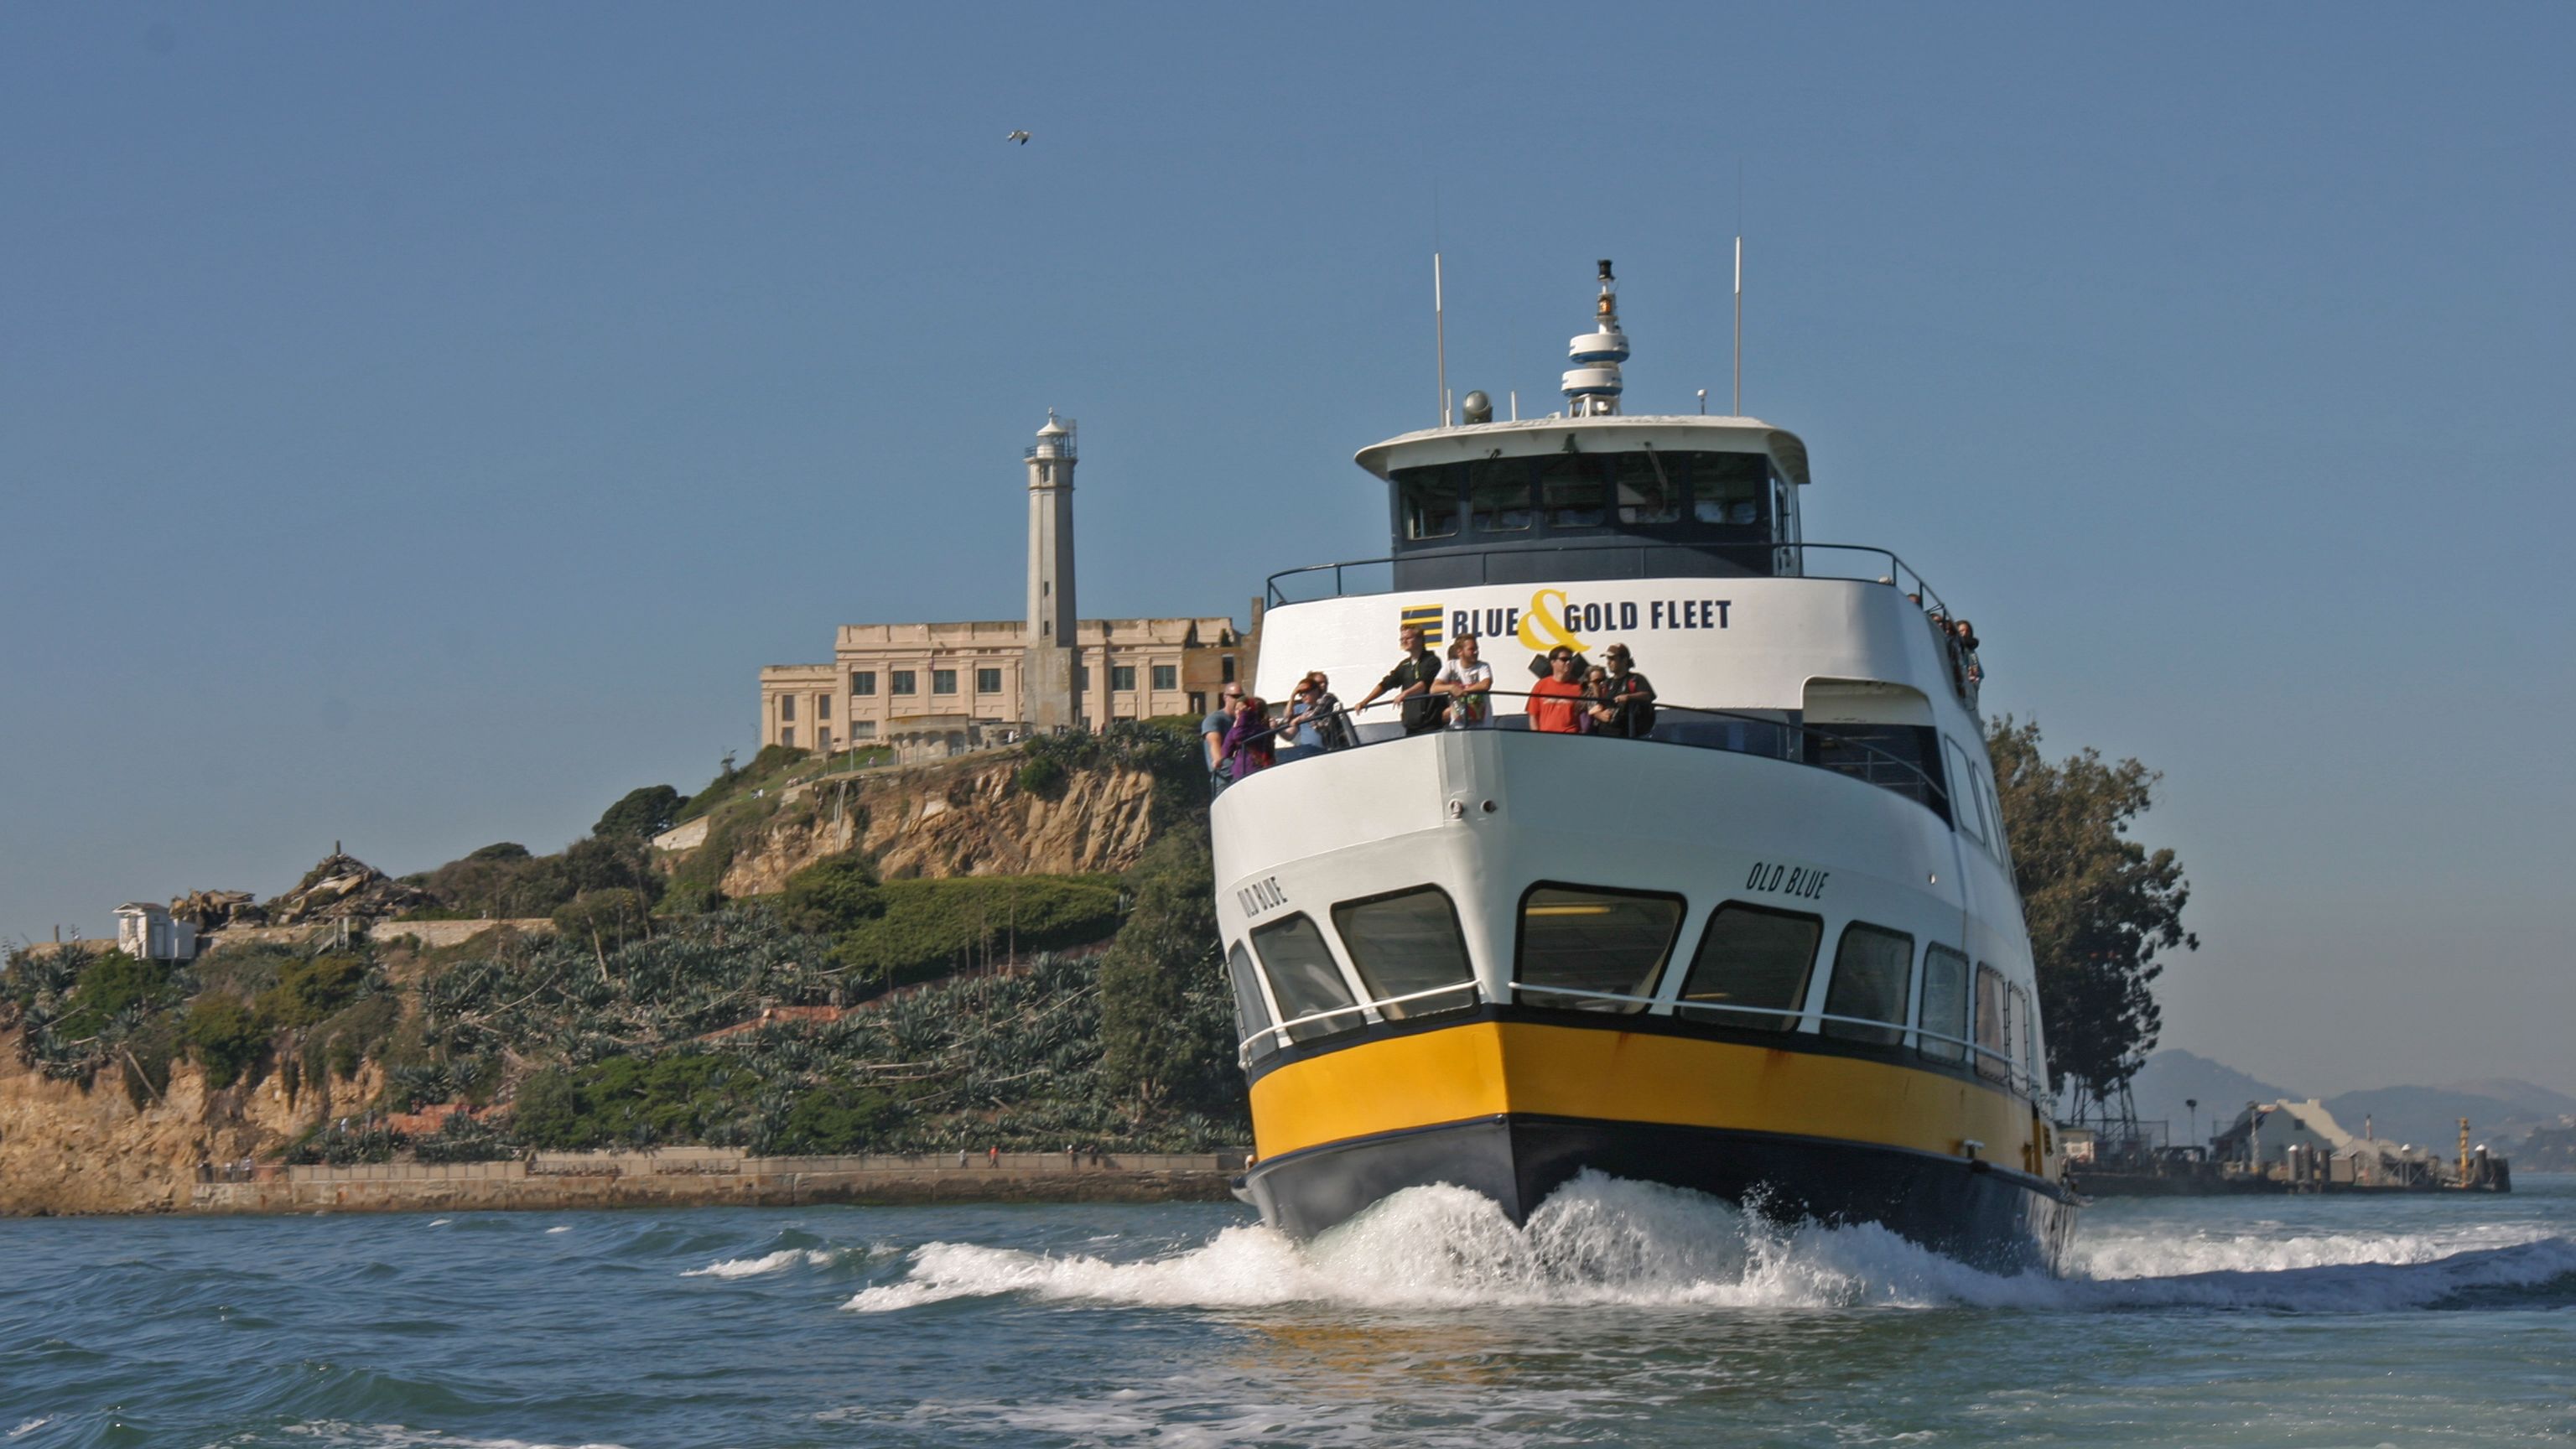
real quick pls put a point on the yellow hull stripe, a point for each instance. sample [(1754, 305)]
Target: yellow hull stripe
[(1482, 1069)]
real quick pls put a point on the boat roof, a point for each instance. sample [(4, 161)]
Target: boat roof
[(1678, 432)]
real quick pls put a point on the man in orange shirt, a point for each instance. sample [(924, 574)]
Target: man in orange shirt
[(1556, 702)]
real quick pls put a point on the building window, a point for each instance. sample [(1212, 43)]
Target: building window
[(1755, 958), (862, 729), (1407, 943), (823, 740), (822, 706), (1229, 669), (1198, 701), (902, 683), (1122, 679), (943, 681), (1304, 978), (988, 681), (1596, 941), (1082, 676), (863, 681), (787, 736), (786, 707), (1167, 676), (1872, 969)]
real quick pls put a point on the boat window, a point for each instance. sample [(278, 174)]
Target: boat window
[(1905, 758), (1573, 490), (1872, 969), (1728, 487), (1303, 977), (1404, 943), (1993, 1050), (1756, 957), (1430, 501), (2030, 1062), (1648, 494), (1970, 814), (1945, 1003), (2023, 1056), (1251, 1014), (1499, 496), (1588, 938)]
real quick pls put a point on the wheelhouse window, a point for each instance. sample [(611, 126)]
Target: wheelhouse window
[(1756, 960), (1304, 978), (1589, 939), (1499, 498), (1873, 971), (1646, 489), (1945, 1004), (1429, 500), (1251, 1013), (1729, 488), (1573, 490), (1405, 943), (1994, 1045)]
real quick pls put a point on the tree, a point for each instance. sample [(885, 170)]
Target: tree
[(1166, 1021), (2100, 906), (641, 814), (226, 1038)]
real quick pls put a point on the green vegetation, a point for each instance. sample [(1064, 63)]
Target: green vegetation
[(2100, 906), (1167, 1025), (834, 894), (769, 768), (308, 991), (225, 1037), (929, 928), (109, 987), (641, 814)]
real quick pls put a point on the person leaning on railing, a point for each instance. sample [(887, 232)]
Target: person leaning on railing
[(1411, 679), (1556, 702), (1630, 710), (1212, 733), (1469, 683)]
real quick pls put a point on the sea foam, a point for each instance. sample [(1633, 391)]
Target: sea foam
[(1602, 1240)]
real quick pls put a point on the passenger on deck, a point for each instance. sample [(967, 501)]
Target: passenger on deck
[(1630, 712), (1318, 720), (1411, 679), (1596, 697), (1966, 635), (1556, 702), (1469, 683), (1212, 733), (1251, 743)]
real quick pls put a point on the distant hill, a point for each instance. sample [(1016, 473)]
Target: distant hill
[(2502, 1111), (2173, 1076), (2430, 1116)]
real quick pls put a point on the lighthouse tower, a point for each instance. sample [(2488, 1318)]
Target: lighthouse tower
[(1049, 698)]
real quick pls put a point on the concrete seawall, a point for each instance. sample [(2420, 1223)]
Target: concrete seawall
[(706, 1176)]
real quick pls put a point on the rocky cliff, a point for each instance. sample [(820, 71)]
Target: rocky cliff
[(66, 1148), (959, 817)]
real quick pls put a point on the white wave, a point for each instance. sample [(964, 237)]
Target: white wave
[(765, 1263), (31, 1426), (1601, 1240), (560, 1228), (339, 1434), (440, 1222)]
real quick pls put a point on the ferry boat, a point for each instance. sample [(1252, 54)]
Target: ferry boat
[(1767, 948)]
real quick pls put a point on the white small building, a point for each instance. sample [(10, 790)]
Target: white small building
[(2264, 1133), (147, 932)]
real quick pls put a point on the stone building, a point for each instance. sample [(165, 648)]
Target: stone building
[(941, 688)]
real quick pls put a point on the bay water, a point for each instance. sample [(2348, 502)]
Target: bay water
[(1622, 1314)]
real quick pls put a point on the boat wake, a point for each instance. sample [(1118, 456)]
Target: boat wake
[(1603, 1240)]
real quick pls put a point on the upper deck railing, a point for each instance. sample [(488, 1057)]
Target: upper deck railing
[(1867, 563)]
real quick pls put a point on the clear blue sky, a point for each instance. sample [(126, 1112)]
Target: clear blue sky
[(418, 423)]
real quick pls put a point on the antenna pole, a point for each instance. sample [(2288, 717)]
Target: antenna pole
[(1739, 326), (1440, 338)]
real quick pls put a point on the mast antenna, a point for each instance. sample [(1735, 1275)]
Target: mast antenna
[(1440, 338), (1739, 326)]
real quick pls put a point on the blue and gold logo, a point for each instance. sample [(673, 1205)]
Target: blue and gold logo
[(1428, 618)]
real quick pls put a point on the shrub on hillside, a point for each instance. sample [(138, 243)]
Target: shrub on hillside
[(833, 894), (605, 918), (309, 990), (641, 814), (109, 986), (932, 927), (224, 1037), (1166, 1023), (1042, 776)]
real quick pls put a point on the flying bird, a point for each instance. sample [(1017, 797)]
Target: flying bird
[(1020, 136)]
